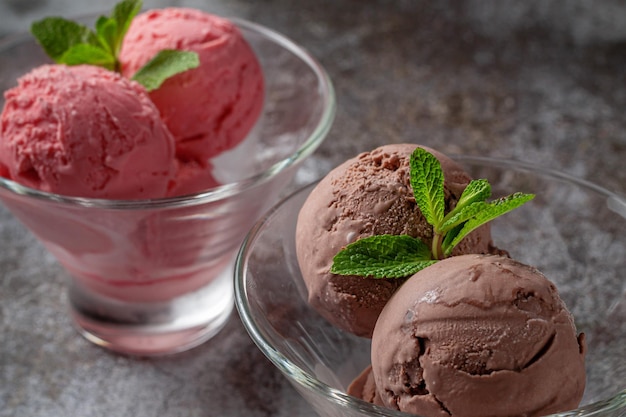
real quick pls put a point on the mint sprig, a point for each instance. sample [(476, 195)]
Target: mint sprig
[(165, 64), (427, 183), (383, 256), (71, 43), (57, 35), (398, 256)]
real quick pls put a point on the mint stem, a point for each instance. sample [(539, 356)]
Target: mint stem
[(436, 248)]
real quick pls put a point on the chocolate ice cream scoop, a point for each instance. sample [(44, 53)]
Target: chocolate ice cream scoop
[(365, 196), (478, 335), (364, 387)]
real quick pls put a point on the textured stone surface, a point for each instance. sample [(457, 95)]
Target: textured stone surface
[(539, 81)]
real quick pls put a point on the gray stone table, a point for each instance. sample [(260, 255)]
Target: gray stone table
[(539, 81)]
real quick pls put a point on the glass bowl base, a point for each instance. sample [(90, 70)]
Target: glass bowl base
[(156, 328)]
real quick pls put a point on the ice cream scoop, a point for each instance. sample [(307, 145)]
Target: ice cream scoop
[(478, 335), (87, 132), (192, 177), (208, 109), (368, 195), (364, 387)]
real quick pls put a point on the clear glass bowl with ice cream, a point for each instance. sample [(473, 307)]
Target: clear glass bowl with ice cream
[(572, 231), (147, 219)]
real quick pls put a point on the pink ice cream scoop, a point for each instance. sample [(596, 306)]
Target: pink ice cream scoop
[(87, 132), (208, 109)]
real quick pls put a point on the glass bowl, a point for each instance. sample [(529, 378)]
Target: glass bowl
[(155, 276), (573, 231)]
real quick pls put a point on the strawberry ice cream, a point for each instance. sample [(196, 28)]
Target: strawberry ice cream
[(192, 177), (83, 131), (208, 109), (87, 132)]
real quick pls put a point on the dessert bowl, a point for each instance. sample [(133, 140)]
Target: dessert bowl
[(155, 276), (573, 231)]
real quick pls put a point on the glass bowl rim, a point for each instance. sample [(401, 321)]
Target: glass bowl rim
[(220, 192), (616, 203)]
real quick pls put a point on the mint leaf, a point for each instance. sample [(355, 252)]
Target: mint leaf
[(427, 183), (164, 65), (491, 210), (111, 30), (459, 216), (57, 35), (71, 43), (123, 14), (449, 237), (86, 53), (106, 30), (476, 190), (383, 256)]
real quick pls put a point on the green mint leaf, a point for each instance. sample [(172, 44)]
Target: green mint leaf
[(111, 30), (71, 43), (57, 35), (123, 14), (88, 54), (106, 30), (383, 256), (491, 211), (476, 190), (427, 183), (164, 65), (449, 237), (460, 216)]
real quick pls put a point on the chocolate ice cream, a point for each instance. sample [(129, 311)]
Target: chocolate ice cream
[(364, 387), (368, 195), (478, 335)]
